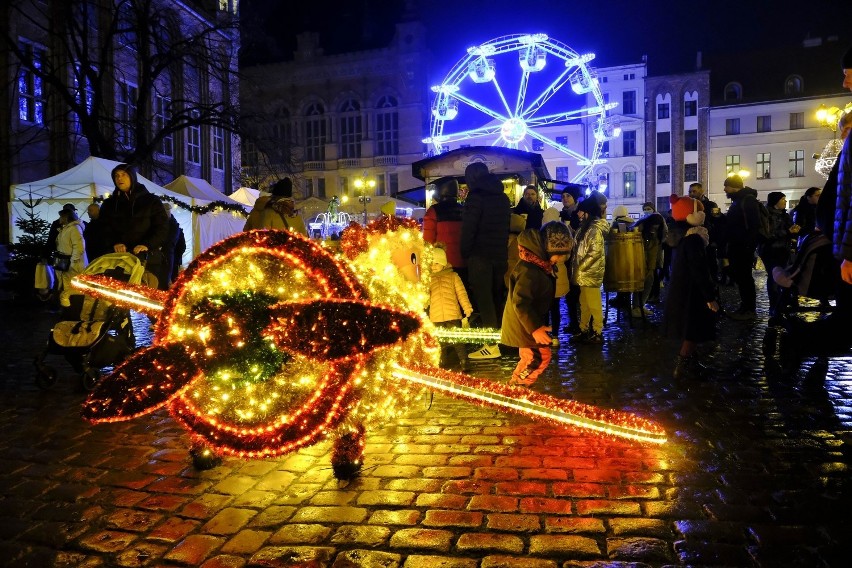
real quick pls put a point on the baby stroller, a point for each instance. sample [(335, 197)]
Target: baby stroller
[(812, 275), (92, 333)]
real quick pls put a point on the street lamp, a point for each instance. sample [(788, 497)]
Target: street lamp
[(828, 117), (363, 184)]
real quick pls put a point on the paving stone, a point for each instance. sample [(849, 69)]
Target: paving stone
[(300, 534), (498, 561), (638, 549), (429, 539), (564, 546), (360, 535), (289, 556), (366, 559), (489, 542)]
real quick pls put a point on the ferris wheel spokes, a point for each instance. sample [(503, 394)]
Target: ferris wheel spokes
[(557, 146), (487, 130), (547, 93), (564, 116)]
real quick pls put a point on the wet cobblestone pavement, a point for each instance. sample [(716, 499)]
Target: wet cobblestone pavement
[(756, 472)]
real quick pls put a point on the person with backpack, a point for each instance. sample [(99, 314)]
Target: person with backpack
[(743, 223)]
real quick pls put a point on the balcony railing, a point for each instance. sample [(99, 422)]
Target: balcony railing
[(385, 161), (349, 163), (316, 166)]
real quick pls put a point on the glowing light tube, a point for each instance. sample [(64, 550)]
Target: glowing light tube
[(140, 298)]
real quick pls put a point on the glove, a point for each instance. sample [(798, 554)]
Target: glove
[(541, 336), (465, 322)]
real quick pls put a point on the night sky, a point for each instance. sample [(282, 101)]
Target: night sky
[(618, 31)]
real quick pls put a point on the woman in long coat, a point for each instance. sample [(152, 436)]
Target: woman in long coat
[(69, 242), (691, 304)]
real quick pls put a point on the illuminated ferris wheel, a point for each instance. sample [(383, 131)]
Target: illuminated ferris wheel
[(512, 92)]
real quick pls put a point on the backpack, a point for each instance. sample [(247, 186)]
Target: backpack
[(764, 218)]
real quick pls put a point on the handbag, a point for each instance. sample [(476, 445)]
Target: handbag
[(60, 262)]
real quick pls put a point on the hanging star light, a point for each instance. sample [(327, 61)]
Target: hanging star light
[(268, 343)]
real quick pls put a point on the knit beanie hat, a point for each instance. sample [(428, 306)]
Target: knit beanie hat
[(620, 211), (734, 180), (556, 238), (773, 198), (439, 256), (550, 214), (282, 188), (687, 209), (847, 59)]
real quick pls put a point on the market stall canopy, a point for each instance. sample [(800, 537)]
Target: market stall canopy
[(198, 188), (503, 162), (246, 196)]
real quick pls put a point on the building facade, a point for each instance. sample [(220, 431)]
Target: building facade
[(117, 80), (331, 121)]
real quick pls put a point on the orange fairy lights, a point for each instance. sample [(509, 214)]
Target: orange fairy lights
[(268, 343)]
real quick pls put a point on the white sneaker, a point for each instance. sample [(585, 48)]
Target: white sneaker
[(487, 352)]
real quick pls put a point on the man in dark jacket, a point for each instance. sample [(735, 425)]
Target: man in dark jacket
[(529, 205), (484, 238), (135, 220), (93, 234), (743, 220)]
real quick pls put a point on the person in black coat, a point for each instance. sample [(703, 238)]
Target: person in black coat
[(529, 205), (135, 220), (484, 239), (691, 304), (94, 233), (167, 273)]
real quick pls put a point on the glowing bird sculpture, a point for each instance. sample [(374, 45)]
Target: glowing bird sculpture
[(268, 343)]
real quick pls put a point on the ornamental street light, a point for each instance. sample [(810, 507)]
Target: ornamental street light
[(363, 185)]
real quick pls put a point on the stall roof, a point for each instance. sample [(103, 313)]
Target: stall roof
[(500, 161)]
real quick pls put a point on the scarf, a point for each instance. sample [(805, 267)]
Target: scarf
[(529, 256), (701, 232)]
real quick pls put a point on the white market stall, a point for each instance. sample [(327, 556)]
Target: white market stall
[(92, 178), (246, 195)]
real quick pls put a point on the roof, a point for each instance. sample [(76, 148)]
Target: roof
[(500, 161)]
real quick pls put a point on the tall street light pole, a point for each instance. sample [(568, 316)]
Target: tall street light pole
[(363, 184)]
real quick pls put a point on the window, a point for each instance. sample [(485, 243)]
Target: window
[(217, 133), (83, 96), (343, 186), (664, 174), (690, 140), (603, 181), (393, 184), (732, 164), (315, 133), (605, 149), (628, 102), (797, 120), (732, 126), (763, 165), (764, 123), (537, 145), (733, 92), (664, 142), (162, 116), (690, 172), (663, 110), (629, 180), (562, 173), (193, 141), (690, 108), (250, 156), (562, 140), (628, 142), (387, 127), (315, 187), (126, 114), (350, 129), (30, 91), (604, 79), (797, 163), (793, 85), (381, 186)]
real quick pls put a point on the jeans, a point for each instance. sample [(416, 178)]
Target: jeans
[(741, 258), (489, 291)]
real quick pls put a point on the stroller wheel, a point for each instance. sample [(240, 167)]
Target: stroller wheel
[(45, 377), (89, 378)]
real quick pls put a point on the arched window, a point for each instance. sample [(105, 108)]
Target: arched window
[(733, 92), (629, 181), (601, 180), (794, 85), (281, 136), (387, 127), (315, 133), (350, 129)]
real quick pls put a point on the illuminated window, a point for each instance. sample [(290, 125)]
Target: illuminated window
[(732, 164), (628, 177), (797, 163), (663, 110), (193, 140), (797, 120), (690, 140), (30, 90), (387, 127), (126, 114), (690, 172), (605, 149), (84, 96), (664, 175), (664, 142), (763, 159), (217, 133), (162, 116), (350, 129), (764, 123), (315, 133), (690, 108)]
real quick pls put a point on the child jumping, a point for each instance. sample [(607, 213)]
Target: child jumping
[(531, 288)]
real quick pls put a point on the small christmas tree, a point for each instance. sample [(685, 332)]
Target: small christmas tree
[(29, 248)]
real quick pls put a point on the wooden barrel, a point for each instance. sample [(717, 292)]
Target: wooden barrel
[(625, 263)]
